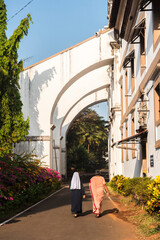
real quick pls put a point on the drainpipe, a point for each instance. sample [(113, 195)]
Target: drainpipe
[(51, 145), (60, 159)]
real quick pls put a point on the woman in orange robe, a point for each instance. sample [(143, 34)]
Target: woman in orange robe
[(97, 186)]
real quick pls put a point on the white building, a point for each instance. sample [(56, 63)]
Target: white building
[(136, 27), (55, 90), (120, 65)]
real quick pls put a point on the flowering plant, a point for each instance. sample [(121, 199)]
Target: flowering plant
[(23, 179), (153, 203)]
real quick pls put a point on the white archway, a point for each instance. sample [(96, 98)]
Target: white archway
[(56, 89)]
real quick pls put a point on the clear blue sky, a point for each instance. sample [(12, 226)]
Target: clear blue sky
[(57, 25)]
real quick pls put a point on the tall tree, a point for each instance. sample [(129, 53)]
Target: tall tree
[(13, 127), (89, 131)]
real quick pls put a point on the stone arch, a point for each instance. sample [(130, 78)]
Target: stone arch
[(100, 88), (75, 78), (102, 83), (64, 129), (47, 86), (93, 97)]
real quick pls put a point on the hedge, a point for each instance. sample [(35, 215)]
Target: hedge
[(23, 181), (144, 191)]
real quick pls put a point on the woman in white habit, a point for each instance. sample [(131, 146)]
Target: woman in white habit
[(77, 194)]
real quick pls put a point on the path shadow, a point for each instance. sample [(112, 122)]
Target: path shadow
[(14, 221), (114, 210), (86, 213), (59, 199)]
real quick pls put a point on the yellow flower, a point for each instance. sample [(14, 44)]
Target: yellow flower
[(157, 180), (148, 203)]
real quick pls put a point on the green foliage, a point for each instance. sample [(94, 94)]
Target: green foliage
[(118, 183), (87, 142), (78, 157), (23, 181), (153, 203), (3, 23), (144, 191), (139, 190), (13, 127), (147, 224)]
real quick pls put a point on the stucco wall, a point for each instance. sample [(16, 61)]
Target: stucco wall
[(55, 86)]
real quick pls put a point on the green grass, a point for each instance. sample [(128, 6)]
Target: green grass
[(147, 224)]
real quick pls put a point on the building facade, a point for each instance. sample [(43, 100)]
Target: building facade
[(55, 90), (120, 65), (135, 150)]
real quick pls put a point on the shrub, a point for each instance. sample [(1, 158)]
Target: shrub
[(23, 182), (113, 183), (129, 187), (144, 191), (118, 182), (153, 203), (140, 191)]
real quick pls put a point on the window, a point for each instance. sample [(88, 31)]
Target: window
[(133, 132), (126, 89), (121, 101), (126, 143), (132, 76), (142, 50), (157, 112), (156, 23), (138, 37), (157, 104), (129, 63), (122, 148)]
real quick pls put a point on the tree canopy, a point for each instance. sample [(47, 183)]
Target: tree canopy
[(87, 142), (13, 127)]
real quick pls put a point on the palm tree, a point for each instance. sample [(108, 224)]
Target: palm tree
[(90, 131)]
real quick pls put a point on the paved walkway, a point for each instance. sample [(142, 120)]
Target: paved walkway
[(52, 220)]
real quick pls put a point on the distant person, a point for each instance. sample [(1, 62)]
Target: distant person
[(97, 186), (77, 194)]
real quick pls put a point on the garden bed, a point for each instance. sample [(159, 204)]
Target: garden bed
[(147, 227), (23, 182), (138, 200)]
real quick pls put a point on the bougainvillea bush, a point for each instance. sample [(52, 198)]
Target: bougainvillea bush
[(23, 181)]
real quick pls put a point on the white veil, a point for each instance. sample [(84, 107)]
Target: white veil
[(75, 182)]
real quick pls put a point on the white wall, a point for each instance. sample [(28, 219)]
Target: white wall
[(51, 89)]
